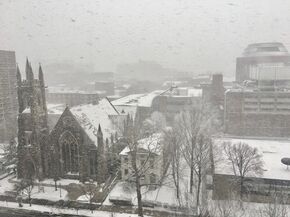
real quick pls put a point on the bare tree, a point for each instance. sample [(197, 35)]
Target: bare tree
[(10, 153), (155, 123), (193, 123), (276, 207), (273, 210), (26, 186), (148, 147), (201, 163), (173, 140), (225, 208), (244, 160), (196, 127), (89, 190)]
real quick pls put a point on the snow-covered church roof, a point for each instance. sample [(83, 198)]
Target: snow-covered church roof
[(151, 144), (90, 116)]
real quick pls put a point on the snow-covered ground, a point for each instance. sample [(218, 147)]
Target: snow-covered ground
[(61, 182), (163, 196), (5, 185), (65, 211), (123, 190), (49, 193)]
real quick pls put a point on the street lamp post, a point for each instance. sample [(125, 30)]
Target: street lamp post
[(60, 190)]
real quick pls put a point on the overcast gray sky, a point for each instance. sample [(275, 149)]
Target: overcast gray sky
[(191, 35)]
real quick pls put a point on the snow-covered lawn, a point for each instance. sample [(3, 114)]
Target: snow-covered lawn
[(5, 185), (49, 193), (164, 195), (62, 182), (65, 211)]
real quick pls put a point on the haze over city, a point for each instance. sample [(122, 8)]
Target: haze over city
[(194, 36), (138, 108)]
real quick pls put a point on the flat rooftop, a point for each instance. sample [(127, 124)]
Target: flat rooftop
[(266, 49), (272, 152)]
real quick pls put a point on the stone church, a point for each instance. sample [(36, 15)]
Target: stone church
[(74, 148), (33, 132)]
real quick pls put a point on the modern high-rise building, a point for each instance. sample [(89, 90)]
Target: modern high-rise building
[(259, 106), (264, 62), (8, 95)]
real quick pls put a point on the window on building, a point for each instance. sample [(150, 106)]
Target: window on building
[(126, 159)]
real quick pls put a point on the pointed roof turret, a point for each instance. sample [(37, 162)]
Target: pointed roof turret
[(27, 69), (100, 133), (40, 75), (31, 75), (18, 76)]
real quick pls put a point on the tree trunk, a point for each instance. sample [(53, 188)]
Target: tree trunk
[(137, 181), (241, 187), (139, 197), (198, 191), (55, 185), (191, 178), (191, 164), (91, 205), (175, 174), (29, 198)]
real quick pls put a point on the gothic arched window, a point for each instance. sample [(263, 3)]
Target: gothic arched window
[(69, 152)]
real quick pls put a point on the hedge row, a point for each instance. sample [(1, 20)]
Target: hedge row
[(59, 203)]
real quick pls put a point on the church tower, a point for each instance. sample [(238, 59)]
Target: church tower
[(101, 158), (32, 125)]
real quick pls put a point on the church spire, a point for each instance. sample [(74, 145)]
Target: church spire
[(40, 75), (100, 133), (18, 76), (28, 70)]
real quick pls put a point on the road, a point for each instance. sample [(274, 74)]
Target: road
[(9, 212)]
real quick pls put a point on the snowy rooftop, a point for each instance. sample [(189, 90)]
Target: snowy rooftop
[(27, 110), (143, 100), (151, 143), (55, 108), (272, 152), (68, 90), (51, 109), (90, 116)]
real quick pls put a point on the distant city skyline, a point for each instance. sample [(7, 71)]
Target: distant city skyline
[(195, 36)]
